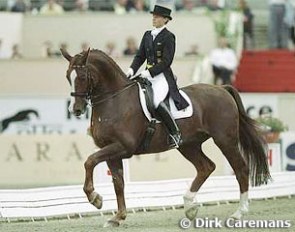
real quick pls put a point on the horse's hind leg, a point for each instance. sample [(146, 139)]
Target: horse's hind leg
[(204, 167), (230, 149), (116, 167)]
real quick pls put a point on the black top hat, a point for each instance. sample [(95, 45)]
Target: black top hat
[(163, 11)]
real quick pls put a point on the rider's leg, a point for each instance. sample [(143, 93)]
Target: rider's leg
[(165, 115)]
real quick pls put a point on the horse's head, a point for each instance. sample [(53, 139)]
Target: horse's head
[(79, 78)]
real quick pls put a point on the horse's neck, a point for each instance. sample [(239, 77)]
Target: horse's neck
[(111, 85), (111, 99), (111, 77)]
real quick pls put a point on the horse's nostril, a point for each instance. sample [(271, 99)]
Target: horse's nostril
[(78, 112)]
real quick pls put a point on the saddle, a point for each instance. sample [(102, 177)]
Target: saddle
[(147, 89), (146, 99)]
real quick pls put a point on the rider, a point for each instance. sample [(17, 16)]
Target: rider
[(158, 48)]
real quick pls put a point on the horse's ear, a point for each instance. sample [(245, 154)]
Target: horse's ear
[(85, 57), (66, 54)]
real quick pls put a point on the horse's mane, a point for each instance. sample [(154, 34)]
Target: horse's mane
[(109, 60)]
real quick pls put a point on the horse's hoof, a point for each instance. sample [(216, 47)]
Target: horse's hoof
[(111, 223), (191, 212), (96, 200), (237, 215)]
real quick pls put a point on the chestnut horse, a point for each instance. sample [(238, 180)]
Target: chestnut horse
[(118, 128)]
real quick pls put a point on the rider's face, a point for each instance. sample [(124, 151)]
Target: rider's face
[(159, 21)]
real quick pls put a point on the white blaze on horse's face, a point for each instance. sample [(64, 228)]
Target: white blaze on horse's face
[(73, 77)]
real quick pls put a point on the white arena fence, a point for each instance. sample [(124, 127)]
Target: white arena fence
[(70, 200)]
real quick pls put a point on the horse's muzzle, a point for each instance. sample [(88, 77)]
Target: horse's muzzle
[(78, 113)]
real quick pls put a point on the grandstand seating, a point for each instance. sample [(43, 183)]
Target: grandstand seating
[(266, 71)]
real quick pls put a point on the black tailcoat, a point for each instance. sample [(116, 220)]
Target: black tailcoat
[(159, 55)]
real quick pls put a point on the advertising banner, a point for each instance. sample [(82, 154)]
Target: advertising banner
[(31, 115), (256, 103), (288, 150), (274, 157), (40, 116), (42, 160)]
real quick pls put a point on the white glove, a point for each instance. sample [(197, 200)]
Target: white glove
[(130, 73), (145, 74)]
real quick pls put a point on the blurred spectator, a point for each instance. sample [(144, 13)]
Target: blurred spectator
[(224, 62), (47, 49), (138, 6), (290, 19), (248, 25), (16, 54), (193, 51), (120, 7), (278, 30), (51, 8), (63, 46), (188, 6), (111, 50), (85, 46), (81, 5), (131, 48), (20, 6), (203, 2), (101, 5), (214, 5)]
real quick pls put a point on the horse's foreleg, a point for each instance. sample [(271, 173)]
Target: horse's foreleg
[(116, 167), (111, 151)]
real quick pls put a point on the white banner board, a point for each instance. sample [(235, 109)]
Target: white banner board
[(38, 160), (288, 150), (254, 103), (40, 116), (274, 157)]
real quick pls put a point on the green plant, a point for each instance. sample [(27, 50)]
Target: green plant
[(272, 124)]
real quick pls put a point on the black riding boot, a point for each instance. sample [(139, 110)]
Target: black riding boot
[(170, 123)]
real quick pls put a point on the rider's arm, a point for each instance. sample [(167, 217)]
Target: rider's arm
[(140, 56)]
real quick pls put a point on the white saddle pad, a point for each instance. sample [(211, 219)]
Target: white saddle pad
[(177, 114)]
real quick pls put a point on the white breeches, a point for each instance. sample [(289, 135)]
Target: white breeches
[(160, 88)]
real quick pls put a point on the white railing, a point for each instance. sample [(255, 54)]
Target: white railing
[(70, 200)]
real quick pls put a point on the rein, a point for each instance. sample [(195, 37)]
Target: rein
[(88, 95), (96, 103)]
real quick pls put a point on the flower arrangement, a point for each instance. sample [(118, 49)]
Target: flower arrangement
[(272, 124), (272, 127)]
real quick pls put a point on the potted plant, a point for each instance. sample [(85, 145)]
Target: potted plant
[(272, 127)]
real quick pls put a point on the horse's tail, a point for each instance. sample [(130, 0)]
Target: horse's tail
[(252, 144)]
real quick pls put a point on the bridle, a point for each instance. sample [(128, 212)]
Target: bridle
[(88, 93), (100, 98)]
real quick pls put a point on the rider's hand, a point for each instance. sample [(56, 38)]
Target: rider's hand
[(145, 74), (130, 73)]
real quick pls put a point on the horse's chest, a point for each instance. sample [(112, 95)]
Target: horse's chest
[(102, 132)]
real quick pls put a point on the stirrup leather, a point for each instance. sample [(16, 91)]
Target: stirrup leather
[(175, 140)]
